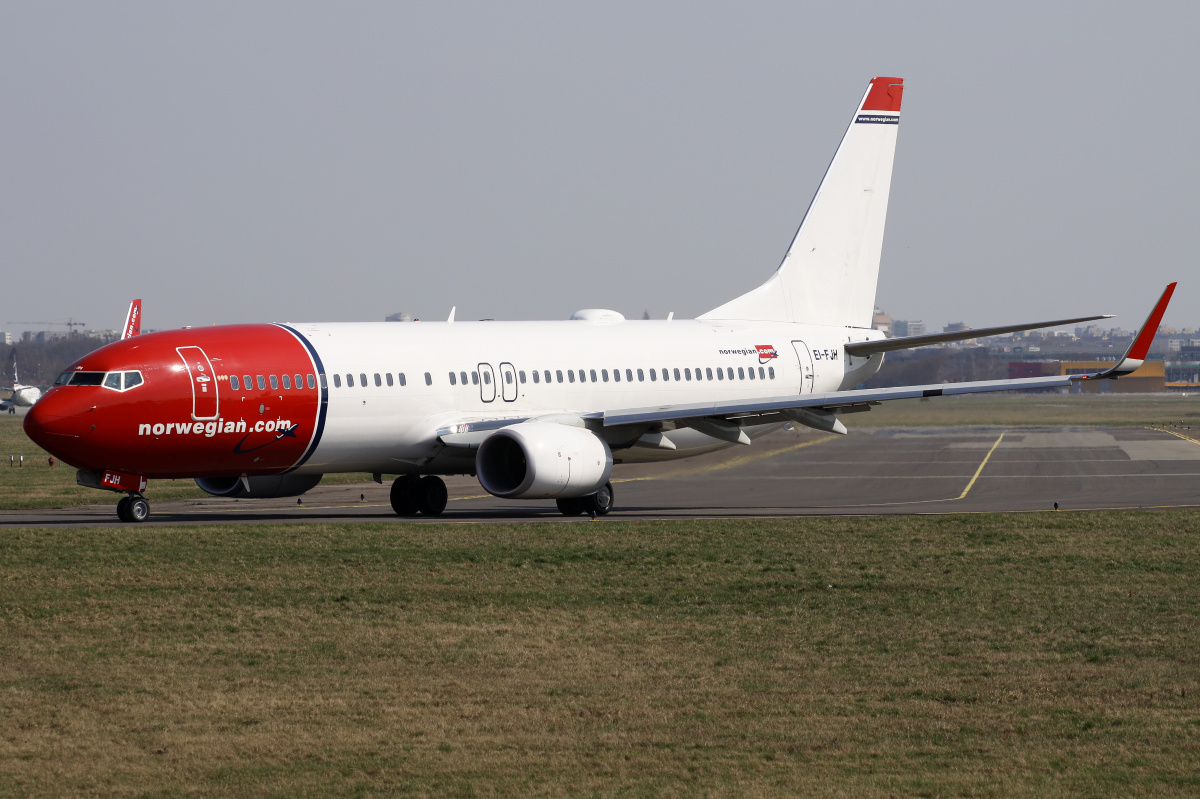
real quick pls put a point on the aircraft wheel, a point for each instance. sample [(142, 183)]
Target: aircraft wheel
[(601, 502), (138, 509), (432, 496), (404, 496), (123, 509), (570, 506)]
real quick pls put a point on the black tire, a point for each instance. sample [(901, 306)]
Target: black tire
[(432, 496), (570, 506), (123, 509), (404, 496), (138, 509), (602, 501)]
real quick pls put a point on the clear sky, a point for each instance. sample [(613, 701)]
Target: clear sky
[(276, 161)]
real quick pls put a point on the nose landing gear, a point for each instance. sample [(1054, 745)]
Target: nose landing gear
[(426, 495), (133, 508)]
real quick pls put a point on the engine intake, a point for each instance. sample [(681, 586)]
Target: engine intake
[(539, 460), (261, 487)]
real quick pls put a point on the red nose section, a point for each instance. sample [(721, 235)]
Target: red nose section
[(57, 423)]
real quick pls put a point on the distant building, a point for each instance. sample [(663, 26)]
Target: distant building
[(881, 321), (399, 316), (7, 338)]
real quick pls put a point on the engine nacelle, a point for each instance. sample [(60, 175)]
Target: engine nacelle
[(261, 487), (539, 460)]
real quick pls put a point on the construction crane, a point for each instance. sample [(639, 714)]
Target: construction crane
[(69, 324)]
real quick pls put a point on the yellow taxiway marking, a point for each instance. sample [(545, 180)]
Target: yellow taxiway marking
[(986, 458), (1172, 432)]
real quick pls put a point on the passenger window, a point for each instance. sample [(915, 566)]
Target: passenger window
[(741, 374), (299, 382), (708, 372), (666, 375), (474, 378), (487, 378), (403, 382), (274, 383), (582, 376), (676, 373), (508, 378), (362, 379), (378, 382), (337, 381), (699, 374), (135, 379), (324, 382), (603, 375), (388, 376), (559, 373), (729, 372), (313, 383), (771, 371), (653, 376), (262, 384), (350, 381), (616, 375), (547, 376), (593, 372), (233, 383), (113, 380), (247, 382), (570, 375), (640, 378), (428, 379), (287, 381), (453, 380), (687, 373), (535, 376), (761, 374), (521, 375), (463, 376), (720, 373), (751, 371)]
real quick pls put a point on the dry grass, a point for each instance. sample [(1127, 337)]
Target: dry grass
[(966, 655)]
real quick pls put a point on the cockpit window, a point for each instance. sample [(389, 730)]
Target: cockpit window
[(63, 379), (113, 380), (116, 381), (87, 378), (132, 379)]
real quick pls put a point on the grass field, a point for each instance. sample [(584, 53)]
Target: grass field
[(1034, 654), (36, 485)]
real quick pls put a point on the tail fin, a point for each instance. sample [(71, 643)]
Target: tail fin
[(829, 273), (133, 320)]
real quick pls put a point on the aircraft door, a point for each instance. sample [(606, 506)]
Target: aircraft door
[(487, 382), (508, 384), (806, 366), (204, 383)]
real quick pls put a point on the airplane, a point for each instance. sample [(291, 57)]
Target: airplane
[(19, 396), (534, 410)]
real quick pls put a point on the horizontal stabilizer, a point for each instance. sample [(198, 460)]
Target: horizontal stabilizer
[(867, 348)]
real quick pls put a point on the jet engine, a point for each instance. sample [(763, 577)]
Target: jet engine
[(261, 487), (537, 460)]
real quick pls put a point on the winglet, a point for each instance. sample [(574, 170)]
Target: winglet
[(1135, 356), (133, 320)]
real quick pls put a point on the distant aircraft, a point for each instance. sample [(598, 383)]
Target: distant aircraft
[(535, 410), (133, 320), (19, 396)]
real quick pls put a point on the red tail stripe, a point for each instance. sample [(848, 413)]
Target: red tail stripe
[(885, 95)]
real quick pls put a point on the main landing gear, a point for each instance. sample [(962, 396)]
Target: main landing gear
[(412, 495), (599, 503), (133, 508)]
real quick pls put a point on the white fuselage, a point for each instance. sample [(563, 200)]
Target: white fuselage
[(385, 428)]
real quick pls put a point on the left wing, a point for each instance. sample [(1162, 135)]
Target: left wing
[(724, 420)]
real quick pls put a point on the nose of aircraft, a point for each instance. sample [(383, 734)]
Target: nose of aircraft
[(56, 421)]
